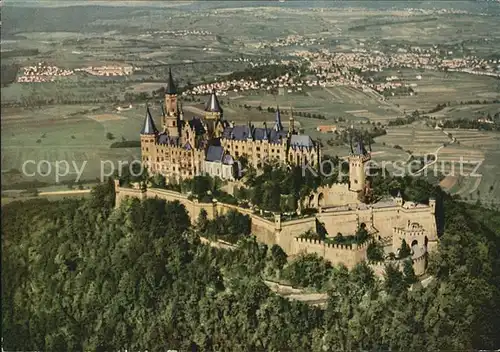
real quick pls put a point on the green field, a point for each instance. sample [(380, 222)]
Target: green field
[(439, 87), (67, 133)]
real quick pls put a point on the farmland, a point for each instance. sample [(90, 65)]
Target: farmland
[(73, 117)]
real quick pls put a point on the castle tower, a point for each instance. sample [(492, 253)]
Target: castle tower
[(171, 112), (357, 160), (399, 199), (213, 114), (148, 139)]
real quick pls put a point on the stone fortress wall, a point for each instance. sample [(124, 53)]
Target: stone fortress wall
[(386, 220)]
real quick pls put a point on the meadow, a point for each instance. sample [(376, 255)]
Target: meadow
[(72, 133), (436, 87)]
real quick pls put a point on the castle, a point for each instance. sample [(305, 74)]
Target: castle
[(184, 149), (212, 145)]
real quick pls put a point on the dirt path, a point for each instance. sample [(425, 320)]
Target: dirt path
[(70, 192), (318, 299)]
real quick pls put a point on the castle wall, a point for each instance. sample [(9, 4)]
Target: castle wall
[(419, 266), (285, 233), (345, 222), (348, 255), (337, 194), (292, 229), (218, 169)]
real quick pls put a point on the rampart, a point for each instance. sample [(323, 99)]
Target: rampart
[(286, 233), (349, 254), (419, 265)]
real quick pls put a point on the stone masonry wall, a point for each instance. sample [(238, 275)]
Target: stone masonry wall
[(285, 233)]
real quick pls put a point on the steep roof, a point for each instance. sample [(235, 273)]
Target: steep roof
[(197, 124), (360, 148), (170, 88), (213, 104), (164, 138), (301, 140), (149, 125), (242, 132), (215, 153)]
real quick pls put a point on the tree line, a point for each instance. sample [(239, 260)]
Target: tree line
[(81, 275)]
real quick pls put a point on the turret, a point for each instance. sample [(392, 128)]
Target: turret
[(148, 127), (399, 199), (357, 160), (149, 133), (213, 113), (171, 111), (432, 204)]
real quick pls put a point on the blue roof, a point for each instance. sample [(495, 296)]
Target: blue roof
[(197, 124), (213, 104), (215, 153), (149, 125), (164, 138), (360, 148), (242, 132), (301, 140), (239, 132)]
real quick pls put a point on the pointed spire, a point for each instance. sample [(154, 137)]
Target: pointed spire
[(213, 105), (170, 88), (360, 147), (149, 125), (278, 126), (399, 194), (266, 132)]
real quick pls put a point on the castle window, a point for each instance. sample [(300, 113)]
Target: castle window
[(258, 148)]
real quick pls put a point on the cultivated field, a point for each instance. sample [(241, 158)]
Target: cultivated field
[(440, 87), (71, 133)]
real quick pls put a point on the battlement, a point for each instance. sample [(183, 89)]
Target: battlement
[(347, 247), (360, 158), (409, 232)]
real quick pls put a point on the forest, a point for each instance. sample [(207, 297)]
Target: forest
[(82, 275)]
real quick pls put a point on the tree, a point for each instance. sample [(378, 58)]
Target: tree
[(408, 272), (404, 250), (158, 181), (202, 220), (375, 252), (394, 283), (110, 136), (278, 257)]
